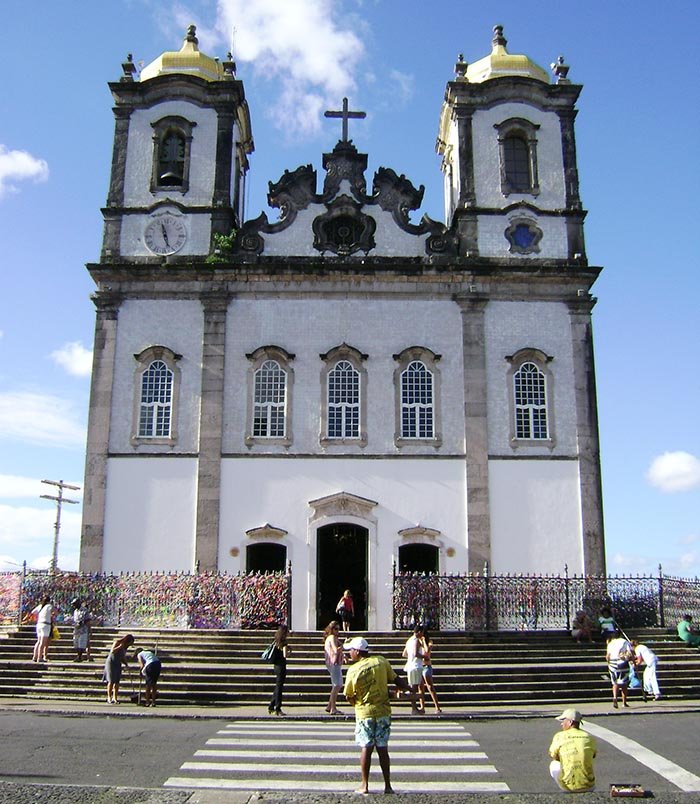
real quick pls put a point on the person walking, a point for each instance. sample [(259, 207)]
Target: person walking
[(113, 666), (81, 630), (346, 609), (618, 655), (44, 623), (427, 680), (645, 656), (279, 662), (413, 653), (367, 690), (333, 652), (149, 667), (572, 751)]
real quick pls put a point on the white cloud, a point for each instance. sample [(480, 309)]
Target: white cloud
[(404, 84), (74, 358), (674, 471), (40, 419), (298, 44), (27, 533), (18, 166), (16, 486)]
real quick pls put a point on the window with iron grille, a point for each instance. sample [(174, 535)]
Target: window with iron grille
[(269, 407), (530, 395), (417, 413), (343, 401), (156, 401)]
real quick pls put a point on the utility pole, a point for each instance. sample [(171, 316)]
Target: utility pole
[(59, 502)]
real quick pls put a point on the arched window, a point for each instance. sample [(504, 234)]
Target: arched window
[(517, 163), (530, 397), (270, 383), (171, 160), (343, 401), (417, 401), (269, 402), (157, 382), (172, 142), (265, 557), (517, 142), (417, 390), (344, 381)]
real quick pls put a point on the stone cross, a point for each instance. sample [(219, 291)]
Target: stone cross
[(346, 115)]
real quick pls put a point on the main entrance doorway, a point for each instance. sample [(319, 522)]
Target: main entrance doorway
[(341, 563)]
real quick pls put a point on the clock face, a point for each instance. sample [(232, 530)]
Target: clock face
[(165, 234)]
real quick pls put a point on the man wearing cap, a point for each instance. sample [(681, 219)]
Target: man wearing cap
[(367, 689), (572, 751)]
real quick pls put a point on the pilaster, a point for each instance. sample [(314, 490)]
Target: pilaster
[(588, 438), (473, 307), (97, 448), (206, 549)]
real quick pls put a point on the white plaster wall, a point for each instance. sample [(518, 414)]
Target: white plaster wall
[(494, 243), (150, 514), (509, 327), (298, 239), (550, 163), (139, 155), (535, 516), (376, 326), (144, 323), (276, 491)]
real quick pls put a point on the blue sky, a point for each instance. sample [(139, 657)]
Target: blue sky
[(637, 139)]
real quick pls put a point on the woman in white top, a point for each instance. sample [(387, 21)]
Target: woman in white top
[(333, 653), (647, 657), (44, 621)]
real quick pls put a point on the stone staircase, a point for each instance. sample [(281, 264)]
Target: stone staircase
[(224, 667)]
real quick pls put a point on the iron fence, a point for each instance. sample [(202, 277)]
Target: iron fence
[(485, 602), (154, 600)]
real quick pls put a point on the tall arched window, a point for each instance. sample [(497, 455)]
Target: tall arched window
[(417, 417), (417, 395), (517, 163), (344, 391), (343, 401), (270, 401), (270, 385), (172, 143), (530, 395), (157, 383), (517, 142), (156, 401)]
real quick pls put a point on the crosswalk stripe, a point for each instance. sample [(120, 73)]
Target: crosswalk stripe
[(323, 786), (395, 755), (348, 767), (344, 741)]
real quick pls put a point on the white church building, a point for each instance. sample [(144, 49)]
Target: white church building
[(342, 388)]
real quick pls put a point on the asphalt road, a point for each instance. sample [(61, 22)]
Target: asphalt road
[(142, 753)]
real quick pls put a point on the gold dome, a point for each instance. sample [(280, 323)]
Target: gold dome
[(502, 63), (186, 61)]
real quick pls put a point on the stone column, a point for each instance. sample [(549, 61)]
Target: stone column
[(464, 215), (473, 308), (97, 448), (211, 416), (588, 439), (115, 199), (222, 219)]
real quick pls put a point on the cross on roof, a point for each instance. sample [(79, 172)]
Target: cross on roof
[(345, 115)]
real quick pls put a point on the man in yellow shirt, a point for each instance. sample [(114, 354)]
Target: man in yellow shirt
[(367, 689), (572, 751)]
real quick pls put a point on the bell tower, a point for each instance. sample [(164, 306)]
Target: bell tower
[(180, 157), (509, 158)]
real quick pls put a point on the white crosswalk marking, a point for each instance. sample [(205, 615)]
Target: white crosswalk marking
[(322, 757)]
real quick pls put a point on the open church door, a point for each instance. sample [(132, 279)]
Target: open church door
[(341, 563)]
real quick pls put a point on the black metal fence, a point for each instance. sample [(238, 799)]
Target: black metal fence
[(485, 602)]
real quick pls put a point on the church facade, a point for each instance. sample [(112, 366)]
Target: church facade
[(342, 388)]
